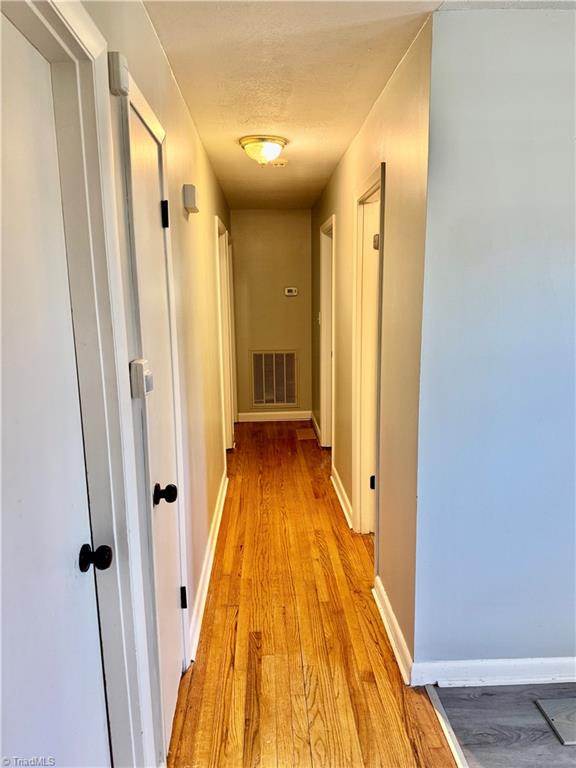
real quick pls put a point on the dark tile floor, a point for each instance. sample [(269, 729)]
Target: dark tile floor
[(501, 726)]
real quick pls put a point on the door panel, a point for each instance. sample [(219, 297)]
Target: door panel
[(226, 331), (326, 340), (53, 690), (161, 443), (369, 336)]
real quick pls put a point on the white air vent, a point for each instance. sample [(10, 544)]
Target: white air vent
[(274, 378)]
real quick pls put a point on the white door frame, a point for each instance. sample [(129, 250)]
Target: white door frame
[(67, 37), (327, 323), (360, 519), (225, 325), (130, 97)]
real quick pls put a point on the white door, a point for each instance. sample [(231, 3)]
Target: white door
[(226, 337), (233, 364), (159, 404), (53, 701), (325, 321), (369, 365)]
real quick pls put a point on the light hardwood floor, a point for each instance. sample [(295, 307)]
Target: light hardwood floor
[(294, 667)]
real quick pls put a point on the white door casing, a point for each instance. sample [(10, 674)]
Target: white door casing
[(53, 687)]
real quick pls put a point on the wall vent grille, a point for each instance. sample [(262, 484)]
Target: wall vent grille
[(274, 378)]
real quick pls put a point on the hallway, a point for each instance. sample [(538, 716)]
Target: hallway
[(294, 667)]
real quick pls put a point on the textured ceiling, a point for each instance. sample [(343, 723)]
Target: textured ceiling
[(309, 71)]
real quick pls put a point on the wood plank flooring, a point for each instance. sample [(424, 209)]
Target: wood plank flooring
[(294, 667), (501, 726)]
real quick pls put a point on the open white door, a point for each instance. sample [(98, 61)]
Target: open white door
[(326, 322), (52, 679), (366, 352), (370, 360), (225, 313), (233, 362)]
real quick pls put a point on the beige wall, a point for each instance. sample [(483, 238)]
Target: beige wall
[(396, 131), (127, 28), (271, 251)]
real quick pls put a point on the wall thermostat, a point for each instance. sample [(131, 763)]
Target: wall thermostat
[(290, 291)]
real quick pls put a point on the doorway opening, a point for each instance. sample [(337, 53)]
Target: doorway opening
[(366, 355), (325, 429)]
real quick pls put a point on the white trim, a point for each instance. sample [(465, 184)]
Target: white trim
[(475, 672), (202, 591), (366, 190), (454, 745), (146, 113), (342, 495), (393, 630), (275, 416), (316, 429)]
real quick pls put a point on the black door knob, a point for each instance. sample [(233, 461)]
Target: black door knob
[(100, 558), (169, 494)]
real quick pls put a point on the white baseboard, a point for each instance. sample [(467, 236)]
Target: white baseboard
[(275, 416), (317, 429), (469, 672), (454, 745), (342, 496), (202, 592), (395, 635)]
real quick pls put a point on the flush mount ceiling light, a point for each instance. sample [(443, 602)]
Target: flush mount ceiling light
[(263, 149)]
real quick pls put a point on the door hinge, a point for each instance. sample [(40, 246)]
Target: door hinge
[(376, 242), (183, 598), (164, 213), (372, 482)]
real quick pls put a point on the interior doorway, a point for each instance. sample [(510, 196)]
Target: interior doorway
[(367, 357), (326, 322), (155, 386), (226, 331)]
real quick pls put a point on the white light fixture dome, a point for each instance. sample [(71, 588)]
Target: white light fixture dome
[(263, 149)]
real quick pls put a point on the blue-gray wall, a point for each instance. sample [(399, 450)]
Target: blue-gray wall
[(495, 532)]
